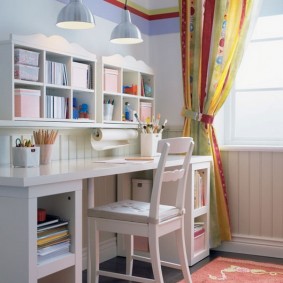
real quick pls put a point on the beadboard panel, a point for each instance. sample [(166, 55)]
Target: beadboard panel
[(70, 144), (255, 193)]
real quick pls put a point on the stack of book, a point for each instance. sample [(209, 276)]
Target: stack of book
[(56, 73), (56, 106), (53, 238), (199, 190)]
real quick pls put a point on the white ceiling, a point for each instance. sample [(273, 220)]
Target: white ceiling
[(155, 4)]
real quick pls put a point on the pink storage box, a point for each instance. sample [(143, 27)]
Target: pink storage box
[(26, 57), (27, 103), (80, 75), (111, 80), (199, 240), (24, 72), (145, 111)]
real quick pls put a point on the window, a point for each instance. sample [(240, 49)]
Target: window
[(254, 111)]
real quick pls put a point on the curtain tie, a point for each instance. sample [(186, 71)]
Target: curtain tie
[(197, 116)]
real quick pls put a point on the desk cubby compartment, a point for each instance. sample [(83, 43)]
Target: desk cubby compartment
[(85, 104), (200, 199), (61, 206), (133, 105), (63, 265), (56, 103), (57, 69), (200, 240), (147, 85), (130, 82)]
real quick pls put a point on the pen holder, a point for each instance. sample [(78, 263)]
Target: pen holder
[(26, 156), (149, 144), (45, 153), (108, 111)]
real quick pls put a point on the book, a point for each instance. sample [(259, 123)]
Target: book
[(55, 242), (59, 223), (50, 219), (53, 231), (52, 237)]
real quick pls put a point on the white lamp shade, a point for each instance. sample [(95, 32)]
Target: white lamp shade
[(75, 16), (126, 32)]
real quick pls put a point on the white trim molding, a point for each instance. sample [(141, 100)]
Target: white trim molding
[(261, 246)]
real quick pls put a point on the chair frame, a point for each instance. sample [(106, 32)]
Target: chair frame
[(154, 228)]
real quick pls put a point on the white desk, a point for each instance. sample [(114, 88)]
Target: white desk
[(58, 185)]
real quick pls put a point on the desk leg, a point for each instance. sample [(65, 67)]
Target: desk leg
[(91, 202), (18, 261)]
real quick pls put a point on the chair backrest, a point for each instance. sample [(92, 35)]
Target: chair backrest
[(180, 145)]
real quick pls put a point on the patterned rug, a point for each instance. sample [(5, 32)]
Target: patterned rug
[(235, 271)]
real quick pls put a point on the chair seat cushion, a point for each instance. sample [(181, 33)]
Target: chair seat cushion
[(133, 211)]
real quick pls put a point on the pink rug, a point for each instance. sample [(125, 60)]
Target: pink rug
[(236, 270)]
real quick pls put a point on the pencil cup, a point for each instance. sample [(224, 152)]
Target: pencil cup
[(45, 153), (108, 111), (26, 156), (149, 144)]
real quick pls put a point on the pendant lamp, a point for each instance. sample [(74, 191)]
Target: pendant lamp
[(126, 32), (75, 15)]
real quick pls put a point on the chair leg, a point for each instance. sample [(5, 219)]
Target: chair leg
[(155, 254), (129, 245), (181, 246), (93, 252)]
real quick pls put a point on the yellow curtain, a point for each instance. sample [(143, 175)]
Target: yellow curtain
[(212, 35)]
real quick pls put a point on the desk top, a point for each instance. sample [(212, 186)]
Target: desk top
[(69, 170)]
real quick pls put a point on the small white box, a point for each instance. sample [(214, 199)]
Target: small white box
[(26, 156), (24, 72), (26, 57), (27, 103), (199, 241), (149, 144), (111, 80), (141, 189), (80, 75), (145, 111)]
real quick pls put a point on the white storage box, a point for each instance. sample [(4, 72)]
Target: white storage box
[(141, 189), (27, 103), (111, 80), (24, 72), (26, 156), (26, 57), (145, 111), (80, 75), (199, 241)]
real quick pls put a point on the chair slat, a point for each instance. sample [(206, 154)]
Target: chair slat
[(173, 175)]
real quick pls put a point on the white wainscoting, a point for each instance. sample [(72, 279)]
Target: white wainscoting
[(70, 144), (255, 195)]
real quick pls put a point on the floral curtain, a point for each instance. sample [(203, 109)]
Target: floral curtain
[(213, 34)]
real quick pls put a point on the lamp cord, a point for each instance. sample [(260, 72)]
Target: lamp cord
[(125, 7)]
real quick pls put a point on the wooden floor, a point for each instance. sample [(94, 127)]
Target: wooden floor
[(170, 275)]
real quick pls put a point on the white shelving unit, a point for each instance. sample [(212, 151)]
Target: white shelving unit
[(198, 211), (131, 73), (63, 199), (55, 49)]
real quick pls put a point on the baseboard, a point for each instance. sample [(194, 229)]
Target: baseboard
[(271, 247), (108, 250)]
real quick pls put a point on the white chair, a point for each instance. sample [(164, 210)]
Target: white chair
[(152, 220)]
